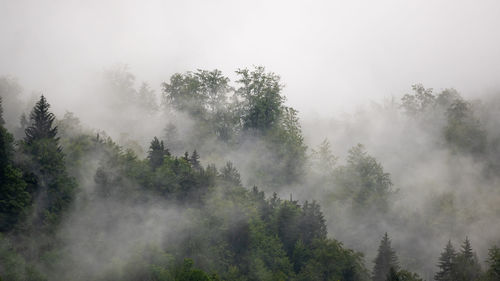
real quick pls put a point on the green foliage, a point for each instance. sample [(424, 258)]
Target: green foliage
[(493, 272), (446, 264), (156, 153), (14, 198), (405, 275), (463, 131), (263, 104), (41, 123), (13, 266), (419, 102), (466, 264), (364, 181), (393, 275), (385, 261), (54, 189)]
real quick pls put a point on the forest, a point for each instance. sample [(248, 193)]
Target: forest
[(218, 179)]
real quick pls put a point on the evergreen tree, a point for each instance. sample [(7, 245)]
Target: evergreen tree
[(385, 260), (312, 223), (393, 275), (230, 174), (41, 123), (446, 264), (467, 267), (195, 160), (493, 272), (14, 197), (54, 189), (156, 153)]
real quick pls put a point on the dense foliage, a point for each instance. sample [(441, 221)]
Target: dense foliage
[(75, 205)]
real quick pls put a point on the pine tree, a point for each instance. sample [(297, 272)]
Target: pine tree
[(312, 223), (230, 174), (54, 188), (446, 264), (493, 272), (13, 195), (41, 123), (195, 160), (385, 260), (393, 275), (156, 153), (186, 156), (467, 267)]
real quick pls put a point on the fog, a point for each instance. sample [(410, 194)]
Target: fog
[(336, 52), (345, 66)]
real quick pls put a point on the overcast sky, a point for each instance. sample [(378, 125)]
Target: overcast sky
[(332, 55)]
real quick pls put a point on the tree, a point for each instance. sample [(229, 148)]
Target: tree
[(263, 100), (420, 101), (364, 181), (393, 275), (312, 224), (147, 99), (156, 153), (195, 160), (54, 189), (463, 131), (405, 275), (446, 264), (385, 260), (493, 272), (14, 197), (467, 267), (230, 174), (41, 123)]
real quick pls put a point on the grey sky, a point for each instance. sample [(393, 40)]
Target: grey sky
[(331, 55)]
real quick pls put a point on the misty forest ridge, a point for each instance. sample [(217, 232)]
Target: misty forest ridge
[(203, 202), (263, 140)]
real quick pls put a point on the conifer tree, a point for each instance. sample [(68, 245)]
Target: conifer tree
[(385, 260), (393, 275), (186, 156), (54, 188), (41, 123), (13, 195), (493, 272), (467, 267), (195, 160), (230, 174), (156, 153), (446, 264)]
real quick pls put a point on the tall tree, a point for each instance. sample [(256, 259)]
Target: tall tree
[(147, 99), (493, 272), (157, 153), (364, 181), (385, 260), (446, 264), (54, 189), (14, 197), (41, 123), (463, 131), (467, 267), (195, 160)]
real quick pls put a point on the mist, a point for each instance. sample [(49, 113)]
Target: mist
[(400, 98)]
